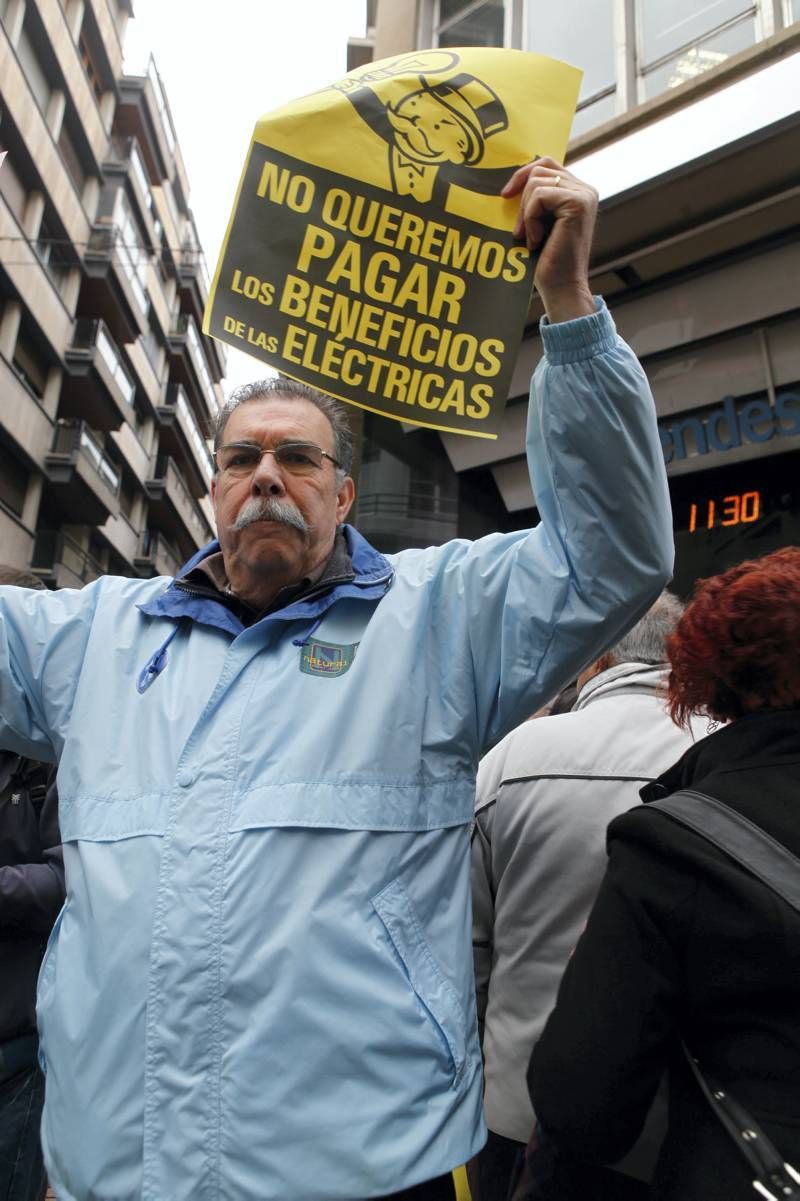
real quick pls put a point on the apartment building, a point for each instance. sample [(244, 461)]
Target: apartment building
[(688, 124), (107, 385)]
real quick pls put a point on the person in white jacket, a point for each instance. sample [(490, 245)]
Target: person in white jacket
[(545, 796)]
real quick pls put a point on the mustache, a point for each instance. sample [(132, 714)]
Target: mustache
[(269, 508), (409, 127)]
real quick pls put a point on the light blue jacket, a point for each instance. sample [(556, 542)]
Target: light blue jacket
[(260, 987)]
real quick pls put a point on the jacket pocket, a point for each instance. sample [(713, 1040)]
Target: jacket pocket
[(437, 996)]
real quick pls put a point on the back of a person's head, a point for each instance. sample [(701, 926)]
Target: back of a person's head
[(647, 641), (735, 650), (19, 578)]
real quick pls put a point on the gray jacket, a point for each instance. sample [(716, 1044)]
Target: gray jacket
[(545, 796)]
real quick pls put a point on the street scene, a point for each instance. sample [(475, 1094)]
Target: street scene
[(399, 600)]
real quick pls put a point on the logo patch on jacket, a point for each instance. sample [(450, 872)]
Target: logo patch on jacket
[(327, 658)]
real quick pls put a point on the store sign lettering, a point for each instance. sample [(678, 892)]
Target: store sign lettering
[(729, 426)]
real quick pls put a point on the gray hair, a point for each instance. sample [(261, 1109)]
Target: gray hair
[(20, 578), (646, 642), (282, 388)]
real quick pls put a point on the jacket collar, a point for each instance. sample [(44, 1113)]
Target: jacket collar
[(756, 739), (371, 579), (645, 677)]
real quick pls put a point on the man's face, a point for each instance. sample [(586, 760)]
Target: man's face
[(426, 131), (258, 554)]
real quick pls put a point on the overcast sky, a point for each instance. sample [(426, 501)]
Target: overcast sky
[(223, 66)]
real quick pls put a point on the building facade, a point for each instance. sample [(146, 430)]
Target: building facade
[(107, 385), (688, 124)]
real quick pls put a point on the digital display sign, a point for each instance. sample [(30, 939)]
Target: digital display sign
[(738, 508), (724, 516)]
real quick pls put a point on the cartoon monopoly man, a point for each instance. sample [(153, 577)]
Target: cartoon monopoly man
[(436, 131)]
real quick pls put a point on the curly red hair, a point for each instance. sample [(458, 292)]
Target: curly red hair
[(736, 649)]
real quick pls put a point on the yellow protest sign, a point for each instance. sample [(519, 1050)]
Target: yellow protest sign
[(370, 253)]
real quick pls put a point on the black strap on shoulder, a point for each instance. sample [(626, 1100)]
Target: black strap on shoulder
[(773, 1178), (757, 852), (779, 870)]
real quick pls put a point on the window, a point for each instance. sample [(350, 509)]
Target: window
[(195, 437), (583, 35), (679, 40), (663, 42), (667, 26), (29, 365), (199, 360), (151, 343), (127, 496), (694, 60), (130, 247), (472, 24), (32, 64), (88, 60), (13, 481), (110, 356), (13, 189), (72, 160), (161, 104), (53, 251), (594, 112)]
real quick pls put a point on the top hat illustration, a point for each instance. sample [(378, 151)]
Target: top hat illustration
[(477, 108)]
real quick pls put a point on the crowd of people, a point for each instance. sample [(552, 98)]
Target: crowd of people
[(264, 984)]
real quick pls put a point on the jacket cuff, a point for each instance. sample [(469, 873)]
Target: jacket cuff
[(579, 339)]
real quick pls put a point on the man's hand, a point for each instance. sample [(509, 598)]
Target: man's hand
[(556, 216)]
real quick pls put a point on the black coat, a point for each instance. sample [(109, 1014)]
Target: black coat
[(31, 885), (682, 942)]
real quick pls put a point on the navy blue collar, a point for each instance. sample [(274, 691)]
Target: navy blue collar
[(373, 576)]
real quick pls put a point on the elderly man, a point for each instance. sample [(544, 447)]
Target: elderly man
[(261, 988)]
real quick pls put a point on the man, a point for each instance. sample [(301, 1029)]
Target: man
[(262, 986), (545, 796), (31, 894)]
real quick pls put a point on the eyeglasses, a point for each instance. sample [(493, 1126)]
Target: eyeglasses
[(298, 458)]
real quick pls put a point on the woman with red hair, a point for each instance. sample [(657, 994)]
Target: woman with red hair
[(684, 943)]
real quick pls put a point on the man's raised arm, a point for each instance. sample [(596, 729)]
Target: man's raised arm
[(536, 606)]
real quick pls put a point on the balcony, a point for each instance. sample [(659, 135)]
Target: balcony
[(69, 66), (141, 359), (194, 283), (112, 285), (421, 517), (189, 363), (24, 419), (124, 161), (62, 562), (132, 452), (22, 111), (173, 507), (83, 480), (182, 438), (122, 538), (192, 267), (143, 112), (98, 385), (157, 556), (30, 280)]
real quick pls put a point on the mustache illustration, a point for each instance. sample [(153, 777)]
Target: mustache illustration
[(408, 126), (269, 508)]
